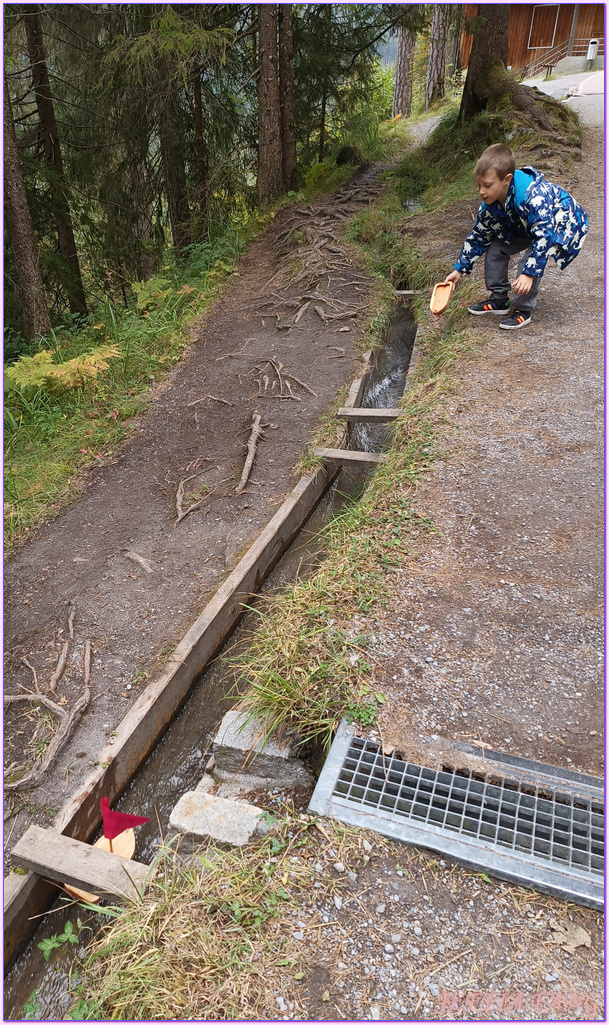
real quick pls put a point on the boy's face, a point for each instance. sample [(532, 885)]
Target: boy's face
[(492, 188)]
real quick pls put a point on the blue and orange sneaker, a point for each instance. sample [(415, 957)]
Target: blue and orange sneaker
[(518, 319), (491, 305)]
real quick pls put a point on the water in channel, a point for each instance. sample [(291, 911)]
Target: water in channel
[(177, 762)]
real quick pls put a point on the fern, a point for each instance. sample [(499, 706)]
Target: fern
[(41, 372)]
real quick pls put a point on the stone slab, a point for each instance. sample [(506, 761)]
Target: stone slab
[(239, 747), (212, 817)]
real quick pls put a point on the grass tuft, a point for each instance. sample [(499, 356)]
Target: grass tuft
[(211, 939)]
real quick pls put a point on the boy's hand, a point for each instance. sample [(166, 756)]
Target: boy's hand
[(522, 285), (453, 278)]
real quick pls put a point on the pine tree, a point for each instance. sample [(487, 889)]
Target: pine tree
[(402, 91), (286, 98), (436, 67), (490, 45), (31, 288), (52, 152), (270, 158)]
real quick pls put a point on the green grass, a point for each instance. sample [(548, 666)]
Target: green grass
[(211, 939), (51, 435)]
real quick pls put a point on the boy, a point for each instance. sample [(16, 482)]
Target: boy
[(520, 210)]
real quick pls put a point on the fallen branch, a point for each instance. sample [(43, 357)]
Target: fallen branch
[(256, 433), (141, 561), (68, 722)]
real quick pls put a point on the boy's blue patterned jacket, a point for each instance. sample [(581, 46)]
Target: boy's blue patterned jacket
[(555, 223)]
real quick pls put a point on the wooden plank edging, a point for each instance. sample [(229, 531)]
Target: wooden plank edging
[(148, 718)]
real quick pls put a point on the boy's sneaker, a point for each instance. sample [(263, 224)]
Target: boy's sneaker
[(518, 319), (490, 306)]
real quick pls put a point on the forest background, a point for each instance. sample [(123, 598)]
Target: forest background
[(144, 145)]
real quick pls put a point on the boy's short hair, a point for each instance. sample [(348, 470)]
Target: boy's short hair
[(497, 158)]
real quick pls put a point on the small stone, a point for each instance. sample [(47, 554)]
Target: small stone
[(396, 937), (551, 978), (319, 867), (325, 996), (338, 902), (593, 733), (352, 876), (367, 846), (338, 865), (389, 948), (298, 935), (434, 989), (281, 1004), (415, 951), (380, 909), (417, 930)]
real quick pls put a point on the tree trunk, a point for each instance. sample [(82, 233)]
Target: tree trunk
[(31, 289), (286, 98), (175, 178), (436, 67), (325, 86), (456, 21), (201, 147), (52, 152), (270, 161), (148, 260), (402, 92), (490, 45), (322, 127)]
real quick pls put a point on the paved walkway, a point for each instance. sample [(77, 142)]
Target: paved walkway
[(559, 87)]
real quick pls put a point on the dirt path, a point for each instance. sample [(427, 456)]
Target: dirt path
[(297, 300)]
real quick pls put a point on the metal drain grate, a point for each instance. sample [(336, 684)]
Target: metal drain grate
[(535, 827)]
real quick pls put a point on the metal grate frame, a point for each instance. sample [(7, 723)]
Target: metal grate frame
[(523, 822)]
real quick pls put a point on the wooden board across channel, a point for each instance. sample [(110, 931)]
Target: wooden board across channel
[(65, 860), (362, 415), (344, 456)]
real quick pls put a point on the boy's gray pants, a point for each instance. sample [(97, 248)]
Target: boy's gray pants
[(496, 272)]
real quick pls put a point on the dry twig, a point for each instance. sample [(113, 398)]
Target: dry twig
[(140, 560), (256, 433)]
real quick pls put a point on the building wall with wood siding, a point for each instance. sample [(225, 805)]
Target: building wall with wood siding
[(534, 27)]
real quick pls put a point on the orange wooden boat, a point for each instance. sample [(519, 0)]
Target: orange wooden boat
[(440, 297)]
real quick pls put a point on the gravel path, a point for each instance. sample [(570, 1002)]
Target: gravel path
[(493, 634)]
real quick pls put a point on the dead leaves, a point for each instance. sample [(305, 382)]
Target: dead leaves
[(569, 936)]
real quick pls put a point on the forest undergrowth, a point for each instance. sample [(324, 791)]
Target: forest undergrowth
[(76, 394)]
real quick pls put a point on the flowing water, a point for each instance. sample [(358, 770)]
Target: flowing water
[(177, 763)]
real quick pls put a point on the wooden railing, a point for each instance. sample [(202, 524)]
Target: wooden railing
[(550, 58)]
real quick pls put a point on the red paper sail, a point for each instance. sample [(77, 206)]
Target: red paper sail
[(115, 822)]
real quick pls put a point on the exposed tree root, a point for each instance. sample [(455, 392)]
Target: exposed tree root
[(67, 721)]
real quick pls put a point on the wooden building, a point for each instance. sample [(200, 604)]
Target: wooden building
[(544, 33)]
